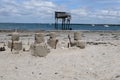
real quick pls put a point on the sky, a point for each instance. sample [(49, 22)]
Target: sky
[(42, 11)]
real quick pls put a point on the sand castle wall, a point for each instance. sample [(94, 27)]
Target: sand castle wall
[(78, 42), (39, 48), (52, 35), (14, 43), (17, 45), (77, 35), (52, 41), (39, 38), (15, 36)]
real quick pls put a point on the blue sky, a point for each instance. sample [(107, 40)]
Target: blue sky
[(42, 11)]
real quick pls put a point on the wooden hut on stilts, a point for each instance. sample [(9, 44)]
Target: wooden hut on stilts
[(65, 17)]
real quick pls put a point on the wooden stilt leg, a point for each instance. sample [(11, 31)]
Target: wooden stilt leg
[(62, 24), (56, 23)]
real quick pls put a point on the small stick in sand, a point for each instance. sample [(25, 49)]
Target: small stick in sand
[(12, 45), (56, 43), (70, 42)]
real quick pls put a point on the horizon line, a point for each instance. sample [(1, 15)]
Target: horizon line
[(59, 23)]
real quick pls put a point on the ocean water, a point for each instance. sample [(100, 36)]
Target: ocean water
[(38, 26)]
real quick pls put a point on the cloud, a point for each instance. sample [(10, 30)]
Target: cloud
[(43, 10), (84, 15), (27, 8), (79, 12), (82, 12), (108, 1), (108, 14)]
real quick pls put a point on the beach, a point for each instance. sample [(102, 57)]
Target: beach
[(99, 60)]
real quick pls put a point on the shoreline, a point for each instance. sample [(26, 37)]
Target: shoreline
[(13, 30)]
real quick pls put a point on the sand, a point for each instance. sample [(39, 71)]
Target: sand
[(100, 60)]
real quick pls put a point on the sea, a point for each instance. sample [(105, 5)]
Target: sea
[(49, 26)]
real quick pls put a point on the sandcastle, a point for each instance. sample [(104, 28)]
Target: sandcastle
[(77, 36), (39, 48), (52, 41), (14, 43), (77, 40), (39, 38)]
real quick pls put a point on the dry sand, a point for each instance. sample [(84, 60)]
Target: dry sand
[(100, 60)]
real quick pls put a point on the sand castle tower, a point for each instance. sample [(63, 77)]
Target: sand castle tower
[(77, 36), (39, 38), (39, 48), (52, 41), (77, 40), (14, 43)]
